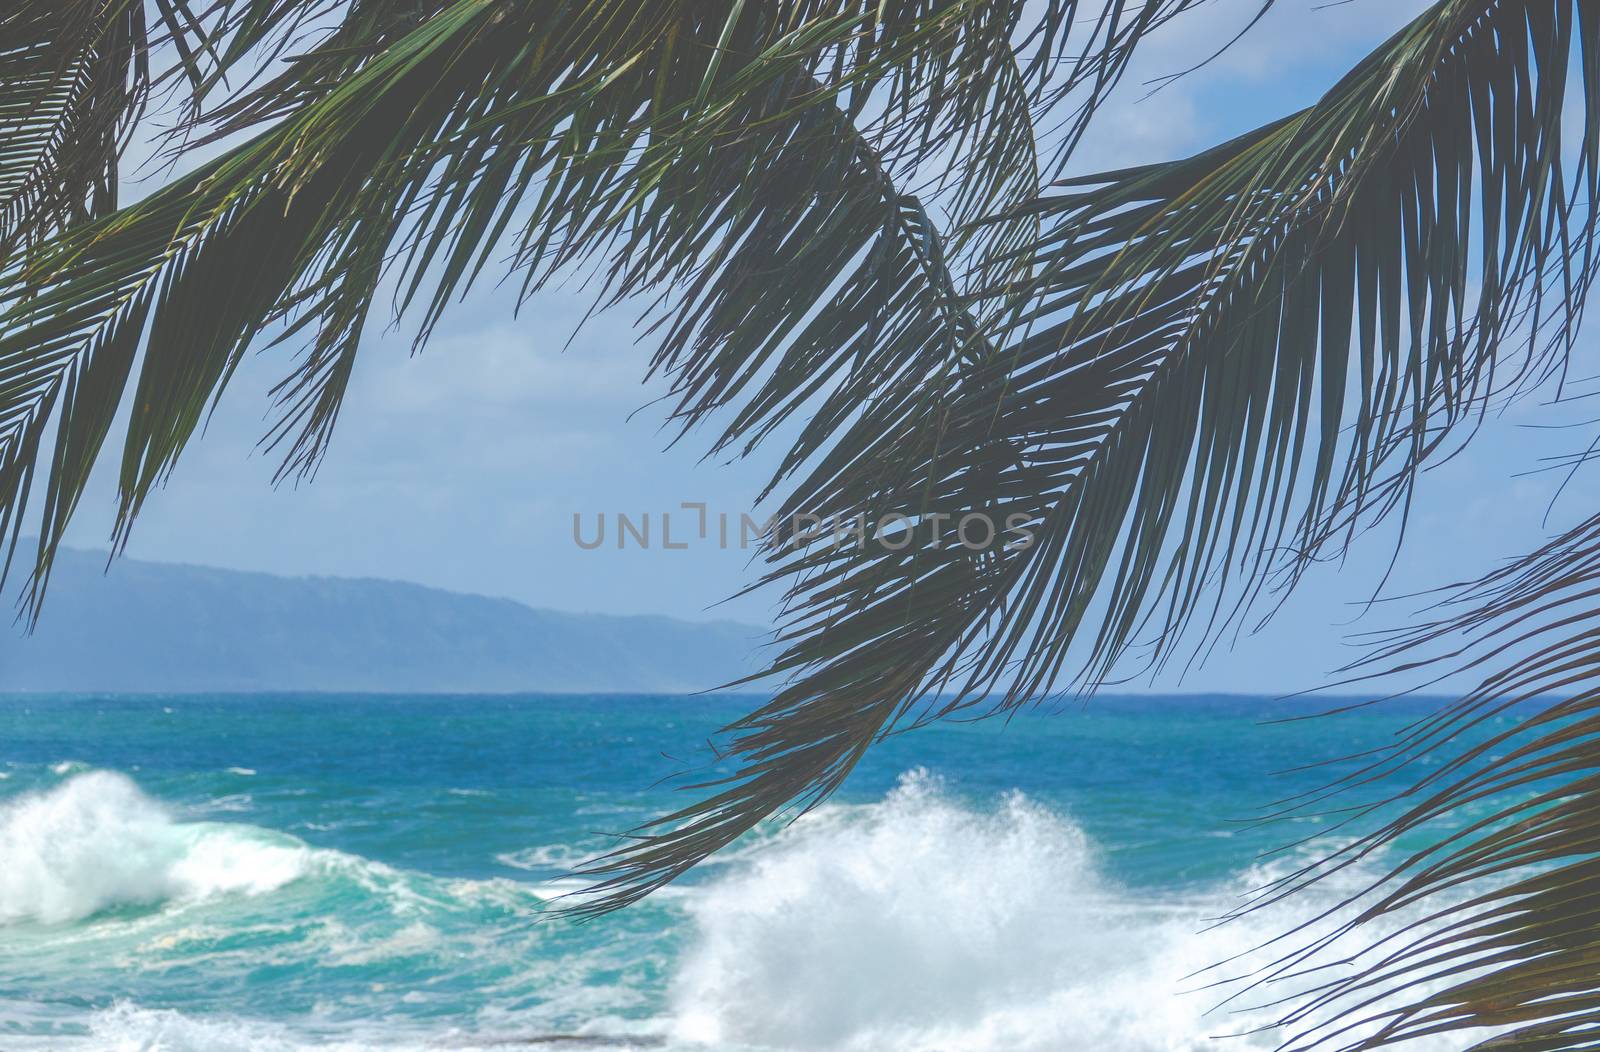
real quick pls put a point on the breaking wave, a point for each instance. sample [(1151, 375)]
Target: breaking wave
[(921, 923), (97, 842)]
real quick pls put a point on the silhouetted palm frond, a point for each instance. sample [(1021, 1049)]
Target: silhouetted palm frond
[(710, 155), (74, 76), (1499, 907), (1213, 370)]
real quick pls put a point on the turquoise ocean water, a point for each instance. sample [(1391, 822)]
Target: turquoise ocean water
[(192, 874)]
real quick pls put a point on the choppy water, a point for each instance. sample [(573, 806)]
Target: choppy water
[(219, 874)]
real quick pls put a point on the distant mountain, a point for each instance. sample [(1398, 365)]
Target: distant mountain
[(159, 627)]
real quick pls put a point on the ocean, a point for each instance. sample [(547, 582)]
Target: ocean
[(274, 874)]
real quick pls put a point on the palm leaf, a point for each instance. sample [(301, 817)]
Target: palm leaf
[(1500, 927), (1213, 371), (75, 76), (709, 154)]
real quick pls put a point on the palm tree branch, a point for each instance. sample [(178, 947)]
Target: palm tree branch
[(416, 139), (1162, 401)]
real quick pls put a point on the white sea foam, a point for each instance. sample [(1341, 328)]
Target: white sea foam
[(128, 1028), (96, 841), (132, 1028), (413, 940), (549, 856), (232, 803), (920, 924)]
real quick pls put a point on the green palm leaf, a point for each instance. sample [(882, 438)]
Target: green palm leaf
[(691, 147), (74, 76), (1214, 371), (1500, 923)]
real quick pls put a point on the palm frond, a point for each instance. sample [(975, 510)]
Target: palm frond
[(1213, 371), (708, 154), (1501, 924), (74, 77)]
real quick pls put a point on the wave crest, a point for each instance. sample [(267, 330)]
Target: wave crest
[(921, 923), (96, 842)]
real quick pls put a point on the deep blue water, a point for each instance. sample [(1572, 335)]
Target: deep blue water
[(280, 873)]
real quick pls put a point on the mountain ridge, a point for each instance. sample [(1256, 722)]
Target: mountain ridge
[(153, 627)]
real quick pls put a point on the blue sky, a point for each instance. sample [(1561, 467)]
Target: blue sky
[(462, 467)]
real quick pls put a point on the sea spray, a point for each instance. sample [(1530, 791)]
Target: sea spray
[(96, 842), (924, 923)]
